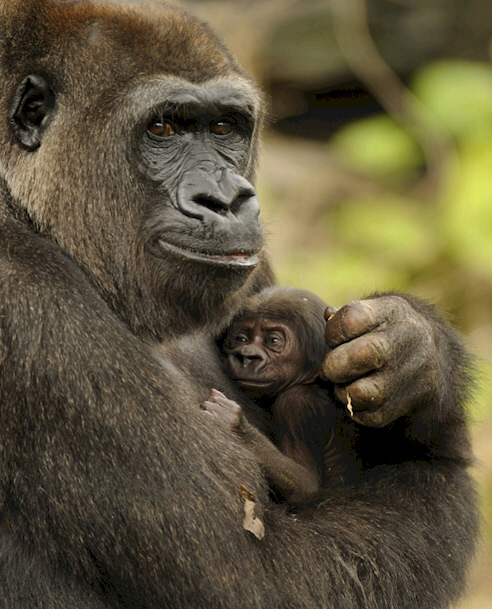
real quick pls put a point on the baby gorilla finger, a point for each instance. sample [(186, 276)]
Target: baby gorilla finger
[(207, 410), (216, 393), (223, 408), (210, 407)]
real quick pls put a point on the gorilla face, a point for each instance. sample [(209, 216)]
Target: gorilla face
[(195, 151), (144, 176)]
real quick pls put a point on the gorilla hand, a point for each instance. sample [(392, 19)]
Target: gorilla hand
[(386, 355), (226, 411)]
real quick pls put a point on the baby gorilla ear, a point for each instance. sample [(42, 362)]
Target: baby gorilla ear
[(32, 109)]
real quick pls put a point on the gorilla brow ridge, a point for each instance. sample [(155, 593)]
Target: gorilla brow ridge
[(218, 97)]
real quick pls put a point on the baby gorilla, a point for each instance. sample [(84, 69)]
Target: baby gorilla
[(274, 350)]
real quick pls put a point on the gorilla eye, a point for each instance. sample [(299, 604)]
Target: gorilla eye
[(273, 340), (222, 127), (240, 338), (160, 128)]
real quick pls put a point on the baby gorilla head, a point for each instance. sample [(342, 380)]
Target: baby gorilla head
[(277, 340)]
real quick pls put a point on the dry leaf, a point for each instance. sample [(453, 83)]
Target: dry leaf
[(349, 404), (251, 523)]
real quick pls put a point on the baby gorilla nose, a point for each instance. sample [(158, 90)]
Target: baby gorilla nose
[(248, 357), (204, 191)]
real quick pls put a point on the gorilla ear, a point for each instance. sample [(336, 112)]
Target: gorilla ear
[(32, 110)]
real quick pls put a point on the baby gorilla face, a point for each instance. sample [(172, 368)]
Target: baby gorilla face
[(264, 354)]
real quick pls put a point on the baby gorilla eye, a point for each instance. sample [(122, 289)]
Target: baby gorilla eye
[(222, 127), (274, 340), (160, 128), (240, 338)]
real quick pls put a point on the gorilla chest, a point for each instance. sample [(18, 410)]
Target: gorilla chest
[(194, 360)]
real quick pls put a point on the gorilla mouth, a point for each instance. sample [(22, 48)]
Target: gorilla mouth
[(238, 259), (244, 382)]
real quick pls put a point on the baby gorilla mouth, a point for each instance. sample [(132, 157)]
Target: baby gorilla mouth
[(254, 383), (236, 259)]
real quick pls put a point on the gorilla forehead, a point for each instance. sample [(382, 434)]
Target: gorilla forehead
[(159, 39)]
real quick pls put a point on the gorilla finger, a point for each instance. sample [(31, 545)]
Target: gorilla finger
[(356, 358), (212, 408), (227, 404), (330, 311), (216, 392), (351, 321), (366, 394), (208, 409), (210, 414), (378, 418)]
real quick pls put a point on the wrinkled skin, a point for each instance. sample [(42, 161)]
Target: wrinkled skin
[(384, 355)]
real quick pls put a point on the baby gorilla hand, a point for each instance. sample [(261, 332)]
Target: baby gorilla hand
[(384, 356), (225, 410)]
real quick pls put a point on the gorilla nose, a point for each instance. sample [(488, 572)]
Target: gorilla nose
[(218, 191), (249, 356)]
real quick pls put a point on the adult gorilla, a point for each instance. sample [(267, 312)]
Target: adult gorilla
[(128, 220)]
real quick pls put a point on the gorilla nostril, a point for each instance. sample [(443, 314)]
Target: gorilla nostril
[(213, 204), (240, 200)]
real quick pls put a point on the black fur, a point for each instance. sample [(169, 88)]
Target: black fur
[(115, 491)]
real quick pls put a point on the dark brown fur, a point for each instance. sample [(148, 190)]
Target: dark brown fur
[(115, 490)]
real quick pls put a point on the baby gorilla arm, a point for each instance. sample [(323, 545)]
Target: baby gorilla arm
[(292, 480)]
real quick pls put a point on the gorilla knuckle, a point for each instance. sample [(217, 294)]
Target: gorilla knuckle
[(376, 419), (378, 349), (358, 314), (352, 320), (366, 392)]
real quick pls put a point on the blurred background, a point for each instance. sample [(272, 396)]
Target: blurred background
[(376, 171)]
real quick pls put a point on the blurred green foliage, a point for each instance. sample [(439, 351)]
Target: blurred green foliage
[(378, 147), (459, 94), (389, 236), (467, 206)]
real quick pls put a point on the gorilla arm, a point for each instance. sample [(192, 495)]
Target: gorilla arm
[(101, 449), (297, 480), (110, 470)]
